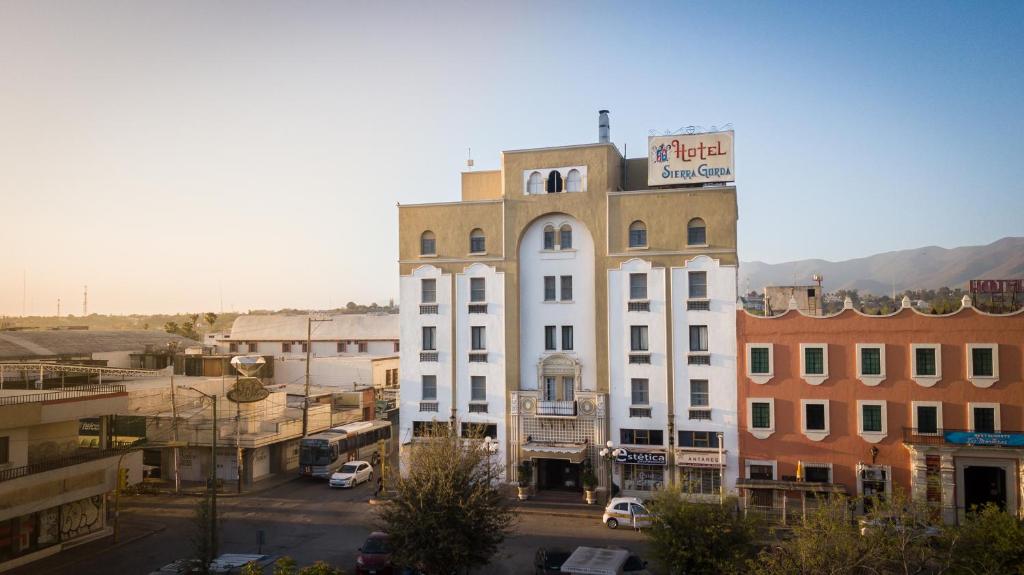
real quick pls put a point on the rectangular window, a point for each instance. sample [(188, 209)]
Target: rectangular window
[(699, 396), (760, 415), (814, 361), (642, 436), (927, 419), (341, 347), (817, 473), (637, 286), (637, 238), (567, 337), (479, 430), (549, 288), (706, 439), (566, 288), (429, 388), (427, 246), (549, 239), (477, 244), (362, 347), (697, 235), (5, 450), (982, 360), (759, 360), (286, 347), (872, 418), (253, 347), (478, 338), (305, 348), (428, 291), (871, 361), (698, 338), (397, 349), (429, 344), (478, 388), (698, 284), (549, 338), (984, 420), (565, 238), (550, 389), (233, 347), (641, 391), (477, 290), (638, 338), (761, 471), (924, 360), (814, 416)]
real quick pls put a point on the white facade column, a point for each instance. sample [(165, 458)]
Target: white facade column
[(948, 473)]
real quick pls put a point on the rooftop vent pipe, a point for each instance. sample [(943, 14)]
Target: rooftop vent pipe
[(604, 131)]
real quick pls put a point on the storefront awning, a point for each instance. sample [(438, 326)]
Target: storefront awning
[(595, 561), (573, 452)]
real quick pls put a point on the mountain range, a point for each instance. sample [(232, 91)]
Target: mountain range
[(929, 267)]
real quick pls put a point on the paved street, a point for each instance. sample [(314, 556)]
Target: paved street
[(304, 519)]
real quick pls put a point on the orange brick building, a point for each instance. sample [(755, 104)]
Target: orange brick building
[(930, 405)]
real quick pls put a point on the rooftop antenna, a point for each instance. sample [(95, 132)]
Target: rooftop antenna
[(469, 158), (85, 302), (58, 307)]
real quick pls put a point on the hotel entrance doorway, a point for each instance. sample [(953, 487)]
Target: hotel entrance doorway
[(558, 474), (984, 484)]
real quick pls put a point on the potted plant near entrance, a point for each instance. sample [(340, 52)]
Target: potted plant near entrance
[(589, 481), (525, 476)]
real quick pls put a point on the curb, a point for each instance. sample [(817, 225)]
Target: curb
[(557, 512)]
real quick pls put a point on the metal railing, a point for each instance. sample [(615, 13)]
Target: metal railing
[(477, 308), (428, 309), (638, 306), (698, 358), (557, 408), (428, 356), (478, 408), (965, 437), (698, 305), (81, 456), (478, 357), (64, 394), (640, 357), (430, 406)]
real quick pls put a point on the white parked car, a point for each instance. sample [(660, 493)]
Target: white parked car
[(351, 474), (628, 511)]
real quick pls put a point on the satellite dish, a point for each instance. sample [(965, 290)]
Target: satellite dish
[(248, 365)]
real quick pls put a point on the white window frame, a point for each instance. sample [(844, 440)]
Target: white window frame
[(938, 416), (871, 380), (760, 433), (982, 381), (817, 465), (647, 391), (996, 414), (471, 400), (926, 380), (814, 379), (860, 482), (814, 434), (761, 378), (872, 436), (770, 462)]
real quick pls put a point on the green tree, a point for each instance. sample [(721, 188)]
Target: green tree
[(687, 537), (210, 318), (285, 566), (171, 327), (990, 542), (446, 514), (201, 531)]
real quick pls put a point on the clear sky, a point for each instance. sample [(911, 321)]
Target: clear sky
[(167, 152)]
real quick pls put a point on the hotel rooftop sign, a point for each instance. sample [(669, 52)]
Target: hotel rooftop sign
[(690, 159)]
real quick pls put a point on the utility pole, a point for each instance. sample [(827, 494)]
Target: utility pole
[(213, 477), (309, 352), (85, 302), (174, 423)]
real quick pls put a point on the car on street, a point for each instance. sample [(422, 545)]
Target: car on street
[(375, 556), (628, 511), (351, 474)]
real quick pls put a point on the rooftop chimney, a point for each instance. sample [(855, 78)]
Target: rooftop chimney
[(604, 133)]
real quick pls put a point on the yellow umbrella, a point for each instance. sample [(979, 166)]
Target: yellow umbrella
[(799, 470)]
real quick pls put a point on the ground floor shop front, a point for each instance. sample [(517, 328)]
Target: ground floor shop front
[(29, 537)]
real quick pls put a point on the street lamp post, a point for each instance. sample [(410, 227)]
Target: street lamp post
[(490, 446), (721, 469), (213, 476), (610, 453)]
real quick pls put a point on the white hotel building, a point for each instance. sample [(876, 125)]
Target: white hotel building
[(564, 303)]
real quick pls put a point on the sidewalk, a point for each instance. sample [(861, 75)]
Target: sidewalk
[(131, 530), (559, 509)]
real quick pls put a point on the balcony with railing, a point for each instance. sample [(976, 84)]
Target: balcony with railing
[(477, 308), (698, 305), (478, 407), (551, 408), (428, 356), (962, 437), (638, 305), (698, 358), (640, 357), (78, 457), (428, 309), (478, 357)]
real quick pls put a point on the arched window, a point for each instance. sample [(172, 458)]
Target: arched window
[(477, 242), (554, 182), (696, 233), (549, 237), (428, 247), (535, 184), (565, 237), (638, 234), (574, 181)]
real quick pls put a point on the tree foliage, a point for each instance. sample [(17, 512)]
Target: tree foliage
[(687, 537), (446, 513), (989, 542), (287, 566)]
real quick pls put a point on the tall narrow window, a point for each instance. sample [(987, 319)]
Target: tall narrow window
[(549, 238), (927, 419), (566, 283), (814, 361), (814, 416), (477, 241), (984, 419), (698, 285), (428, 291), (477, 290), (871, 418), (760, 360), (982, 361), (698, 338), (696, 233), (573, 181), (549, 338), (640, 388), (638, 338), (549, 288), (924, 361), (870, 361), (429, 392), (699, 395), (638, 235), (429, 344), (637, 286), (554, 182), (760, 415), (535, 184), (565, 237), (567, 337), (478, 338), (550, 388), (478, 388), (427, 244)]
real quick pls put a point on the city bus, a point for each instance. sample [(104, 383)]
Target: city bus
[(322, 454)]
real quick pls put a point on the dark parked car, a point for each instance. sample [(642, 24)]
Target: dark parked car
[(375, 556)]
